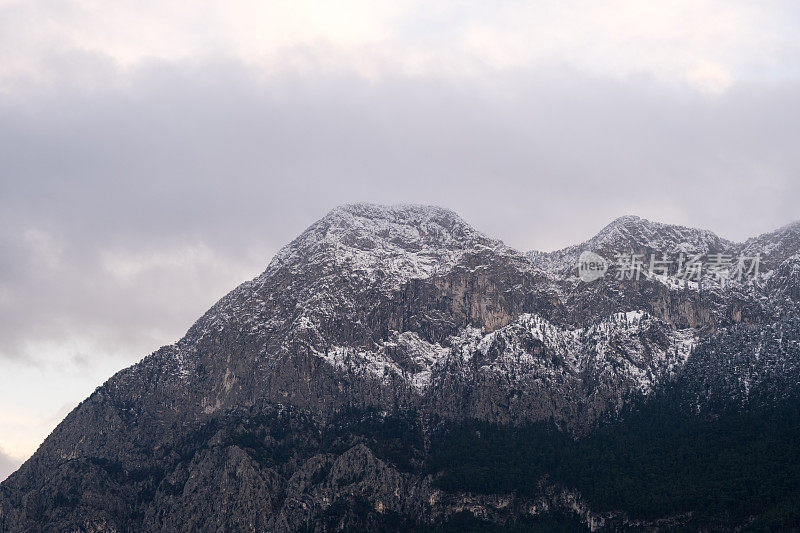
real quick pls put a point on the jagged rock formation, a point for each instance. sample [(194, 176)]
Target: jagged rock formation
[(308, 397)]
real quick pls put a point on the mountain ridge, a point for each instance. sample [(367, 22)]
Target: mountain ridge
[(397, 310)]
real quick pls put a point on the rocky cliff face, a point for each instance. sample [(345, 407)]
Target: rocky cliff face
[(308, 397)]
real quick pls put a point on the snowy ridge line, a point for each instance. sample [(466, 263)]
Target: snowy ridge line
[(386, 245), (610, 345)]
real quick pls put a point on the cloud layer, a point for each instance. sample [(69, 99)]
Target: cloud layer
[(707, 43)]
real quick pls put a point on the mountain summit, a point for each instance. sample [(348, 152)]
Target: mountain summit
[(397, 243), (634, 235), (395, 369)]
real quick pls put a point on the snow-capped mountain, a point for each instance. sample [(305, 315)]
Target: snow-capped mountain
[(634, 235), (264, 416)]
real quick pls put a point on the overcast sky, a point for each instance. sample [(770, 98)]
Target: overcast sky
[(154, 154)]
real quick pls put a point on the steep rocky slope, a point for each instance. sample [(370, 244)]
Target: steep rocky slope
[(313, 396)]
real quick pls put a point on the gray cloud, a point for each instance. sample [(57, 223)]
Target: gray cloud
[(127, 209)]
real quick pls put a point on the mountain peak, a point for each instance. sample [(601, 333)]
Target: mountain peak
[(627, 220), (631, 234), (395, 211), (776, 246), (408, 226), (396, 242)]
